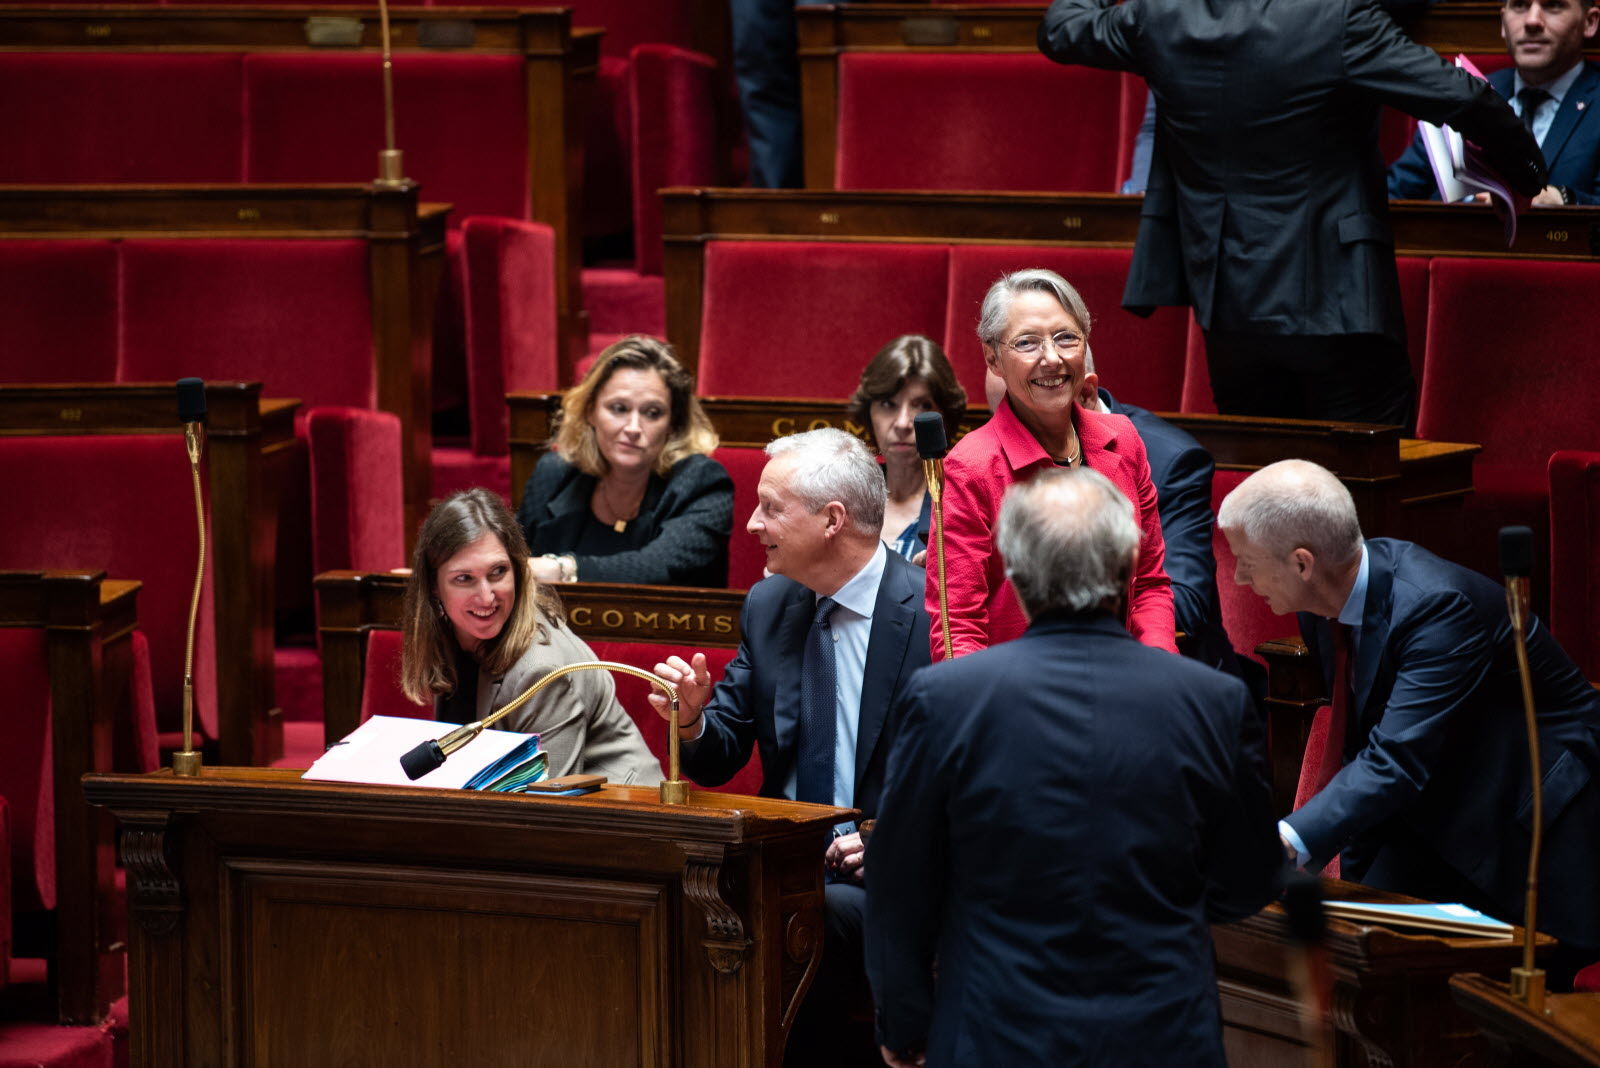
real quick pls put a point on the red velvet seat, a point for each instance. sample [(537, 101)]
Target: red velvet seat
[(460, 119), (673, 137), (95, 117), (1508, 366), (42, 1045), (1246, 617), (1011, 122), (509, 278), (1575, 556), (1141, 361), (801, 319), (5, 894), (747, 560), (59, 307)]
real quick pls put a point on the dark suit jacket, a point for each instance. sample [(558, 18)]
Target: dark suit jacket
[(1064, 815), (680, 537), (1266, 208), (758, 698), (1571, 146), (1182, 470), (1435, 750)]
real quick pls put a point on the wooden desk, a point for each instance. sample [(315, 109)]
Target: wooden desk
[(1565, 1035), (242, 433), (278, 922), (1391, 1004), (87, 619), (405, 258)]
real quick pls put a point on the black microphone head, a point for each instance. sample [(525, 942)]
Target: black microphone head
[(191, 400), (423, 759), (931, 444), (1516, 552), (1302, 904)]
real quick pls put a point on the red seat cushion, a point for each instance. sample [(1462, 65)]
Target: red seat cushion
[(461, 121), (221, 309), (1141, 361), (59, 306), (747, 560), (1246, 617), (976, 121), (129, 117), (801, 319), (1575, 556), (380, 685), (124, 503)]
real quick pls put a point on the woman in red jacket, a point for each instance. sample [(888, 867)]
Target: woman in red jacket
[(1035, 333)]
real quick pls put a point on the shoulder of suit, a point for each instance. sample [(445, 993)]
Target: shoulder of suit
[(552, 472)]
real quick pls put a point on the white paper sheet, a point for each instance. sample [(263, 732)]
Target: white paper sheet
[(371, 753)]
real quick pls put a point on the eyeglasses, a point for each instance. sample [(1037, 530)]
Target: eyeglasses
[(1064, 342)]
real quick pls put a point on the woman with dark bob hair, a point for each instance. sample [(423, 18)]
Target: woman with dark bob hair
[(478, 630), (908, 376), (629, 493)]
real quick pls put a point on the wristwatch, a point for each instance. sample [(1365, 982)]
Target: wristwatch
[(1567, 196)]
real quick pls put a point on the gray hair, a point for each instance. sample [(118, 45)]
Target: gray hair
[(1068, 538), (1295, 504), (996, 310), (835, 466)]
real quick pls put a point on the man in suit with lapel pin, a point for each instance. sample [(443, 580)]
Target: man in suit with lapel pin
[(1425, 789), (828, 642), (1553, 89)]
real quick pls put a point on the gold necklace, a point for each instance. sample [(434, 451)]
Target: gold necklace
[(619, 523)]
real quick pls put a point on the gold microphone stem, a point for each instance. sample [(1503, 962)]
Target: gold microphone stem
[(674, 791), (187, 762), (1527, 982), (934, 471), (390, 171)]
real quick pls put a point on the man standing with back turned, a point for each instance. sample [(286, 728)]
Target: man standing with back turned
[(1064, 814), (1266, 209)]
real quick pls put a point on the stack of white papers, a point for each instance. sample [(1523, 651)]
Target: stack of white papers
[(371, 753)]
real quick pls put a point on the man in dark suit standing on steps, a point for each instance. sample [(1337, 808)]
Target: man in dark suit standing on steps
[(1265, 210), (1065, 815), (1553, 89), (827, 645)]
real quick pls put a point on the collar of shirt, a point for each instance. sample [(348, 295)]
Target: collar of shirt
[(1355, 605), (1557, 89), (1022, 450), (860, 594)]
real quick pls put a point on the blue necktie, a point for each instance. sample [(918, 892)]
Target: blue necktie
[(818, 709)]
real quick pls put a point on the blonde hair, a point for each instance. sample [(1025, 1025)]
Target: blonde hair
[(690, 431), (428, 641)]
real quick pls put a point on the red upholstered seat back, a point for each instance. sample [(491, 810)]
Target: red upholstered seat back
[(1196, 374), (747, 560), (26, 781), (107, 117), (5, 893), (1413, 272), (673, 110), (633, 693), (1575, 556), (801, 319), (220, 309), (357, 490), (59, 306), (1140, 361), (1246, 617), (460, 119), (1007, 122), (380, 686), (510, 280), (124, 503)]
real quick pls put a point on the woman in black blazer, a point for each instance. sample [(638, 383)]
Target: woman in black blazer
[(629, 492)]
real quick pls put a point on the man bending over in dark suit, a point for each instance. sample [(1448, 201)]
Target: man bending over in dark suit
[(1425, 789), (1552, 87), (1064, 815), (827, 645)]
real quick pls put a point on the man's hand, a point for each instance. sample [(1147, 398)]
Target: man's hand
[(1290, 851), (921, 559), (693, 682), (1549, 197), (847, 857), (894, 1061), (544, 570)]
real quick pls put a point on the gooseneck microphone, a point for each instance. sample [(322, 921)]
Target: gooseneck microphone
[(931, 446), (432, 753), (1516, 563), (192, 413)]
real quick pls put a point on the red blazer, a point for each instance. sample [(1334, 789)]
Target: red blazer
[(984, 610)]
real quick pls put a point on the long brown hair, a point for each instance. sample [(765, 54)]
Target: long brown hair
[(909, 356), (689, 432), (428, 660)]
